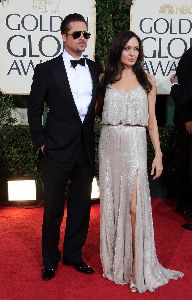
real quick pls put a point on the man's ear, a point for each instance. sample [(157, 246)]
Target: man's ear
[(63, 37)]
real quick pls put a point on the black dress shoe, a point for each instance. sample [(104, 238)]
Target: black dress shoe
[(80, 267), (48, 273), (187, 212), (187, 226), (83, 268)]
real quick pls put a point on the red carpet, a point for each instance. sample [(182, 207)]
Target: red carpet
[(20, 257)]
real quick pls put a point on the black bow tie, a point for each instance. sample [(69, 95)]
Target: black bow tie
[(80, 61)]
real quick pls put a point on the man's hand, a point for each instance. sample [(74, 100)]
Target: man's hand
[(174, 79), (188, 126), (42, 148)]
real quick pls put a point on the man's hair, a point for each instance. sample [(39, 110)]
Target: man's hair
[(65, 24)]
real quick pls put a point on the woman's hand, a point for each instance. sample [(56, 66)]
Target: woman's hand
[(157, 166)]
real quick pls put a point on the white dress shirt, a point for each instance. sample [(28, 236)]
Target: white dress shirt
[(80, 82)]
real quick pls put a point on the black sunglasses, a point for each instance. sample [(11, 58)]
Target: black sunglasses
[(77, 34)]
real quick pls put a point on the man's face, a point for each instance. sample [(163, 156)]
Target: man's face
[(75, 47)]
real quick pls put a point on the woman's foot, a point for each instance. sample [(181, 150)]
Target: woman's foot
[(133, 286)]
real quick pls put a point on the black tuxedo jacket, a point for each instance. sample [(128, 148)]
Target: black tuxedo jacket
[(182, 92), (63, 132)]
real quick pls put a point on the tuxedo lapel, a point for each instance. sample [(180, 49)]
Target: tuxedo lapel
[(62, 83)]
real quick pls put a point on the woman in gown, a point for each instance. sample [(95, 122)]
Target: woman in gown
[(128, 252)]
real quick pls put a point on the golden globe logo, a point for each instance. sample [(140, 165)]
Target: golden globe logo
[(27, 48), (165, 30), (28, 39)]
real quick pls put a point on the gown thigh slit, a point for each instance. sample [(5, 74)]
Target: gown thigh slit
[(133, 208), (122, 163)]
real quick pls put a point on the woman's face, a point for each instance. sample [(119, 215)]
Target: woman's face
[(130, 52)]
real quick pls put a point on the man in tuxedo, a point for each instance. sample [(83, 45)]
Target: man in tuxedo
[(181, 91), (67, 84)]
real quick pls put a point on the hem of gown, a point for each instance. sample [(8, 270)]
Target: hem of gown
[(111, 279), (176, 277)]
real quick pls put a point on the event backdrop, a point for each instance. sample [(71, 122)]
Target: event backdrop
[(30, 34), (166, 30)]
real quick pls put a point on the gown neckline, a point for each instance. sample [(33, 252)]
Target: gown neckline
[(127, 91)]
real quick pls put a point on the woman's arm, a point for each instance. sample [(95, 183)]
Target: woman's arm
[(157, 166)]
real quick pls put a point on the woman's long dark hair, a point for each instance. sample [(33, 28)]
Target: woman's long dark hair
[(114, 66)]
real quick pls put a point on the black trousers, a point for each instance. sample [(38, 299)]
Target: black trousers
[(76, 179), (184, 168)]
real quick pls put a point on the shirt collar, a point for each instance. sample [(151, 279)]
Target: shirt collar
[(67, 57)]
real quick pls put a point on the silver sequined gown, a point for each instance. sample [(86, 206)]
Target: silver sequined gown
[(123, 160)]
